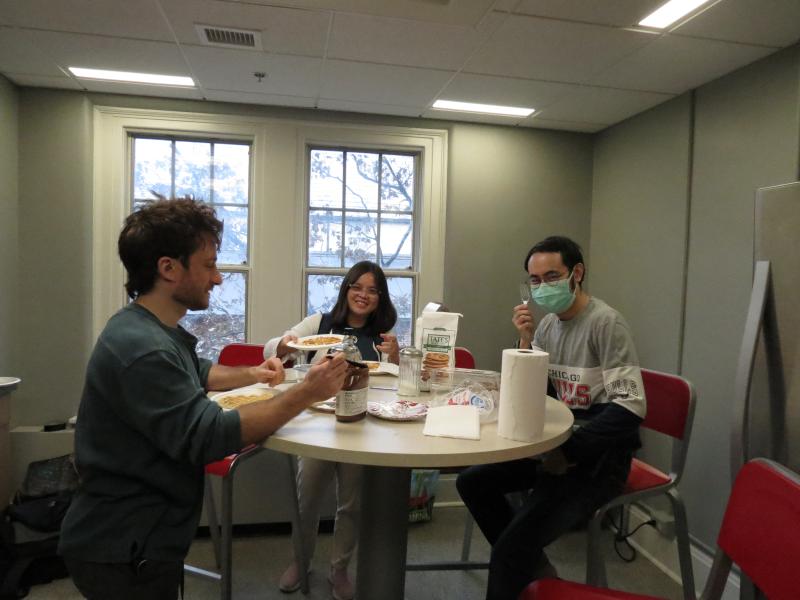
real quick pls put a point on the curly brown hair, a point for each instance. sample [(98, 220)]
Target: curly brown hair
[(174, 227)]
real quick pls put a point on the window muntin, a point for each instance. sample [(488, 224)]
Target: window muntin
[(216, 172), (361, 206)]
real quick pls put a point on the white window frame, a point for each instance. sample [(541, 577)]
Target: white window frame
[(278, 202)]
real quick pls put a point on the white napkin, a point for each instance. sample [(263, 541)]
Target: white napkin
[(457, 421)]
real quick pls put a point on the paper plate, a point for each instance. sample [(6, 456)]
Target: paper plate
[(241, 396), (400, 410), (316, 342), (326, 406), (382, 368)]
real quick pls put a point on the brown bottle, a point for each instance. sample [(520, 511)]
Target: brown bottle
[(351, 400)]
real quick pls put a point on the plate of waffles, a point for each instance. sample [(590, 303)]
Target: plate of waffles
[(239, 397), (321, 341)]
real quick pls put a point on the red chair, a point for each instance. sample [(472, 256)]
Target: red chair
[(670, 412), (760, 533), (232, 355), (464, 358)]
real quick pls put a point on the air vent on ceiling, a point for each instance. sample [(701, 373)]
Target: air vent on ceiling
[(228, 37)]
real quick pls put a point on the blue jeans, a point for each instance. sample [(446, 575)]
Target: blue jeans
[(556, 504)]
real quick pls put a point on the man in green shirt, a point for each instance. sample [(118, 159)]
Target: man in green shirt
[(146, 427)]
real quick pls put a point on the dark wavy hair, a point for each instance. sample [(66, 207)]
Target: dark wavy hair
[(382, 318), (571, 253), (175, 228)]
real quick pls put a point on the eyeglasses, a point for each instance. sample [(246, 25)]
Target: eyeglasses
[(360, 289), (549, 279)]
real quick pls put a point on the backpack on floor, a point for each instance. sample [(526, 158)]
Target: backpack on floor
[(29, 527)]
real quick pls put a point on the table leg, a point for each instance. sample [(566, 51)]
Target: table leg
[(383, 533)]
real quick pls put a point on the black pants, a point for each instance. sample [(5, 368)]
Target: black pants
[(140, 580), (555, 505)]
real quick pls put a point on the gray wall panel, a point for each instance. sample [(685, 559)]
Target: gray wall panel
[(8, 226), (746, 137), (507, 189), (639, 212), (55, 258)]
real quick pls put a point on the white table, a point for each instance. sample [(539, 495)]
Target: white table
[(389, 450)]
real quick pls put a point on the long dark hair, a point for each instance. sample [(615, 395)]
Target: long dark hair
[(383, 318)]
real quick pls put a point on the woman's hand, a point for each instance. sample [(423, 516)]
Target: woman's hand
[(282, 349), (270, 371), (390, 347), (523, 321)]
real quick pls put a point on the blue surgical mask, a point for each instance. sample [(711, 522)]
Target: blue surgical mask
[(554, 297)]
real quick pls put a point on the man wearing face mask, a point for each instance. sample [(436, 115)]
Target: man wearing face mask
[(595, 371)]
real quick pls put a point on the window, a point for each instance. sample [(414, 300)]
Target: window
[(254, 170), (216, 172), (361, 206)]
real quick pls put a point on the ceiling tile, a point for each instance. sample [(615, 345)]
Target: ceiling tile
[(620, 13), (505, 91), (605, 106), (448, 115), (551, 50), (576, 126), (401, 42), (381, 84), (768, 22), (674, 64), (251, 98), (124, 18), (463, 12), (224, 69), (283, 30), (100, 52), (19, 53), (369, 108), (63, 82)]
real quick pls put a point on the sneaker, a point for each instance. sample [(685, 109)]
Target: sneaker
[(341, 588), (290, 580)]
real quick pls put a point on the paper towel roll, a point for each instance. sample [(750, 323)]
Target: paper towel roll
[(523, 387)]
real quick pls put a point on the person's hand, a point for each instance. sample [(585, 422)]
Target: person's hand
[(282, 349), (270, 371), (390, 347), (523, 321), (326, 377), (555, 462)]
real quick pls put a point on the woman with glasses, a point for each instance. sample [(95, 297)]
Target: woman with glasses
[(364, 309)]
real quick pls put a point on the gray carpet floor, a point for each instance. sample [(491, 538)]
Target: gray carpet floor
[(260, 560)]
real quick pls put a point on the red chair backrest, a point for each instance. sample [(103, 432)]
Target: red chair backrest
[(237, 355), (669, 403), (464, 358), (761, 527)]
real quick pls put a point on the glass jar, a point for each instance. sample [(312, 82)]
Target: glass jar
[(410, 365), (351, 400)]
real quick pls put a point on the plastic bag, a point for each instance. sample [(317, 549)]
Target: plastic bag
[(423, 494), (471, 393)]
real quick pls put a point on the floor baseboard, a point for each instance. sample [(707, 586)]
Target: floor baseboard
[(663, 554)]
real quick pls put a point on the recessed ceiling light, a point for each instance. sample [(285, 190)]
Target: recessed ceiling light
[(670, 12), (128, 77), (489, 109)]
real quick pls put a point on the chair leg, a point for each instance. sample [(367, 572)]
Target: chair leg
[(595, 564), (213, 523), (226, 569), (684, 546), (297, 537), (469, 525)]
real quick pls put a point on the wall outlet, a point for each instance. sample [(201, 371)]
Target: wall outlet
[(665, 522)]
